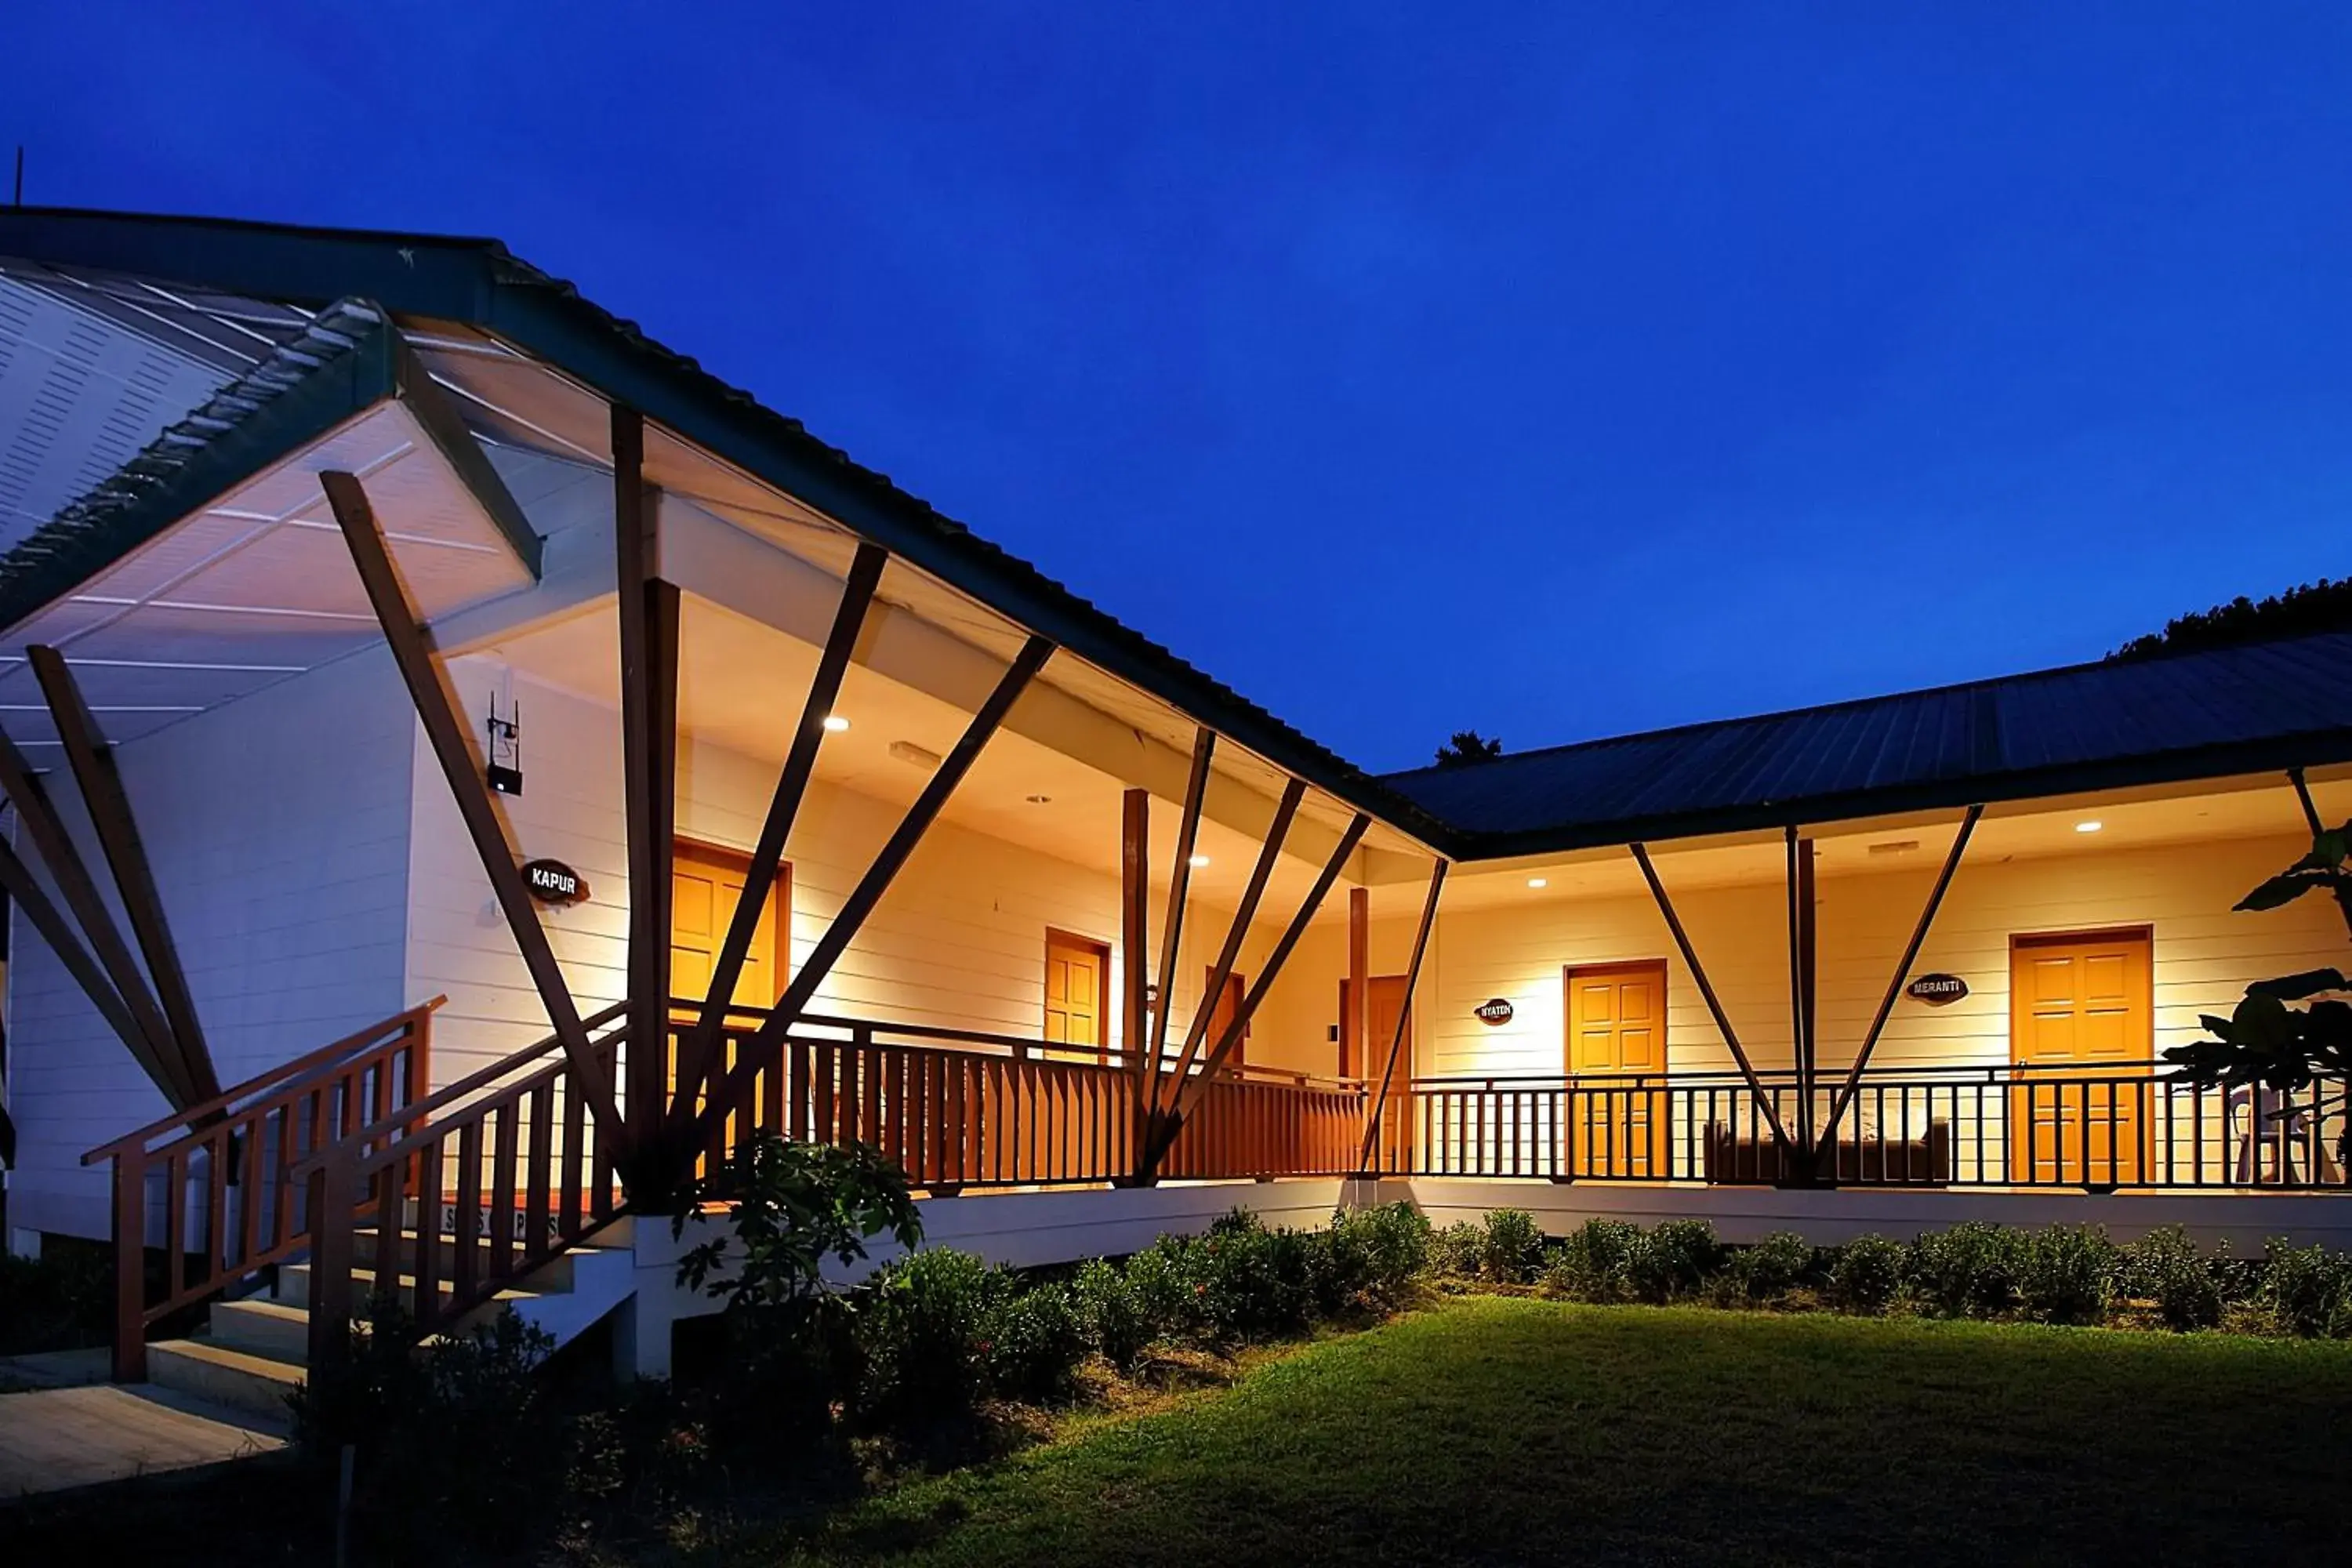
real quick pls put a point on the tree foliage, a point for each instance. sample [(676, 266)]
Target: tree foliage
[(1468, 747), (792, 1206), (2294, 1028), (2321, 606)]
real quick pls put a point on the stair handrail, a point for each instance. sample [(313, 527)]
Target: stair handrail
[(411, 1116), (302, 1073)]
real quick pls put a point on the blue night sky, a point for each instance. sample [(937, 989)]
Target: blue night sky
[(1408, 367)]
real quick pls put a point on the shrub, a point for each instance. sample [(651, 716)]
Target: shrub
[(1030, 1343), (1969, 1270), (1168, 1293), (1251, 1282), (920, 1329), (2307, 1290), (2067, 1274), (1672, 1260), (1769, 1269), (1111, 1313), (1458, 1250), (1510, 1246), (2166, 1267), (1396, 1239), (63, 1298), (1866, 1275), (1591, 1262)]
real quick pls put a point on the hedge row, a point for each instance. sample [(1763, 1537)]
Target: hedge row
[(2060, 1274)]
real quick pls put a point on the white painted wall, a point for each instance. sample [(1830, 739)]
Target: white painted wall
[(278, 829)]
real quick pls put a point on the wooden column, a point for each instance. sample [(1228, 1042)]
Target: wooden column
[(1801, 970), (648, 615), (461, 768), (92, 762), (1357, 1025), (1134, 917), (1376, 1104)]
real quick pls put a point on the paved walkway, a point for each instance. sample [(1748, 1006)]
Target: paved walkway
[(52, 1438)]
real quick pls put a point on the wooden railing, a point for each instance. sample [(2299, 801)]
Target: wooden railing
[(1998, 1126), (962, 1107), (223, 1172), (483, 1183)]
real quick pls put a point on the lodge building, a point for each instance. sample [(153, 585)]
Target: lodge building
[(466, 767)]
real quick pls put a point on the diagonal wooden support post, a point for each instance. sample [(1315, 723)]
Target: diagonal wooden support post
[(1378, 1104), (1134, 920), (2311, 820), (1714, 1004), (1853, 1084), (857, 590), (149, 1037), (762, 1045), (1189, 1090), (101, 782), (648, 617), (1286, 811), (1171, 933), (436, 711), (17, 880)]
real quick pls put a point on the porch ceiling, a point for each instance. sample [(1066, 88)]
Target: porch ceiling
[(740, 685), (257, 586)]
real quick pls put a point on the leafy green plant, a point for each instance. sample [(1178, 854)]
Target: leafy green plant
[(1395, 1239), (1511, 1249), (1032, 1342), (1253, 1282), (1769, 1269), (1591, 1263), (2165, 1267), (2307, 1290), (2067, 1274), (921, 1332), (1672, 1260), (1969, 1271), (1112, 1313), (1164, 1277), (1459, 1250), (1866, 1275)]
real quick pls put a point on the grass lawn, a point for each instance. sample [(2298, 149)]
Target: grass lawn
[(1495, 1430)]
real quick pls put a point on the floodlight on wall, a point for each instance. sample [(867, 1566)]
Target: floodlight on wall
[(504, 773)]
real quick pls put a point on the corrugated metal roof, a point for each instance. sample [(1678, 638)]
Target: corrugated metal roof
[(2086, 727)]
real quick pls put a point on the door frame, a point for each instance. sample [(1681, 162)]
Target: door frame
[(1621, 1133), (1064, 936), (779, 894)]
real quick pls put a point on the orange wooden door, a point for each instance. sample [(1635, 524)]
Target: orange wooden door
[(1222, 1013), (2080, 1008), (706, 884), (1616, 1016), (1078, 983)]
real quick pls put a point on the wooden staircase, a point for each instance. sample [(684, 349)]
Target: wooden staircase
[(289, 1200)]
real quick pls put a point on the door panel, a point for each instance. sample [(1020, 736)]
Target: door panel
[(1616, 1023), (706, 884), (2082, 1015)]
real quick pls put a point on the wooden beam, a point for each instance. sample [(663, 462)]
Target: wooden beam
[(1357, 1025), (648, 638), (1714, 1004), (149, 1039), (1379, 1101), (1802, 954), (1235, 935), (461, 767), (1134, 917), (1852, 1083), (1180, 884), (1191, 1090), (92, 762), (877, 881), (858, 591), (18, 879)]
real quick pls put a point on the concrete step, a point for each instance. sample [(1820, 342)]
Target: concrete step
[(263, 1328), (363, 1252), (294, 1286), (203, 1368)]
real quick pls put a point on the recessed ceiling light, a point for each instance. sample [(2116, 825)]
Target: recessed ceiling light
[(2091, 826), (1197, 862), (836, 723), (1539, 882)]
